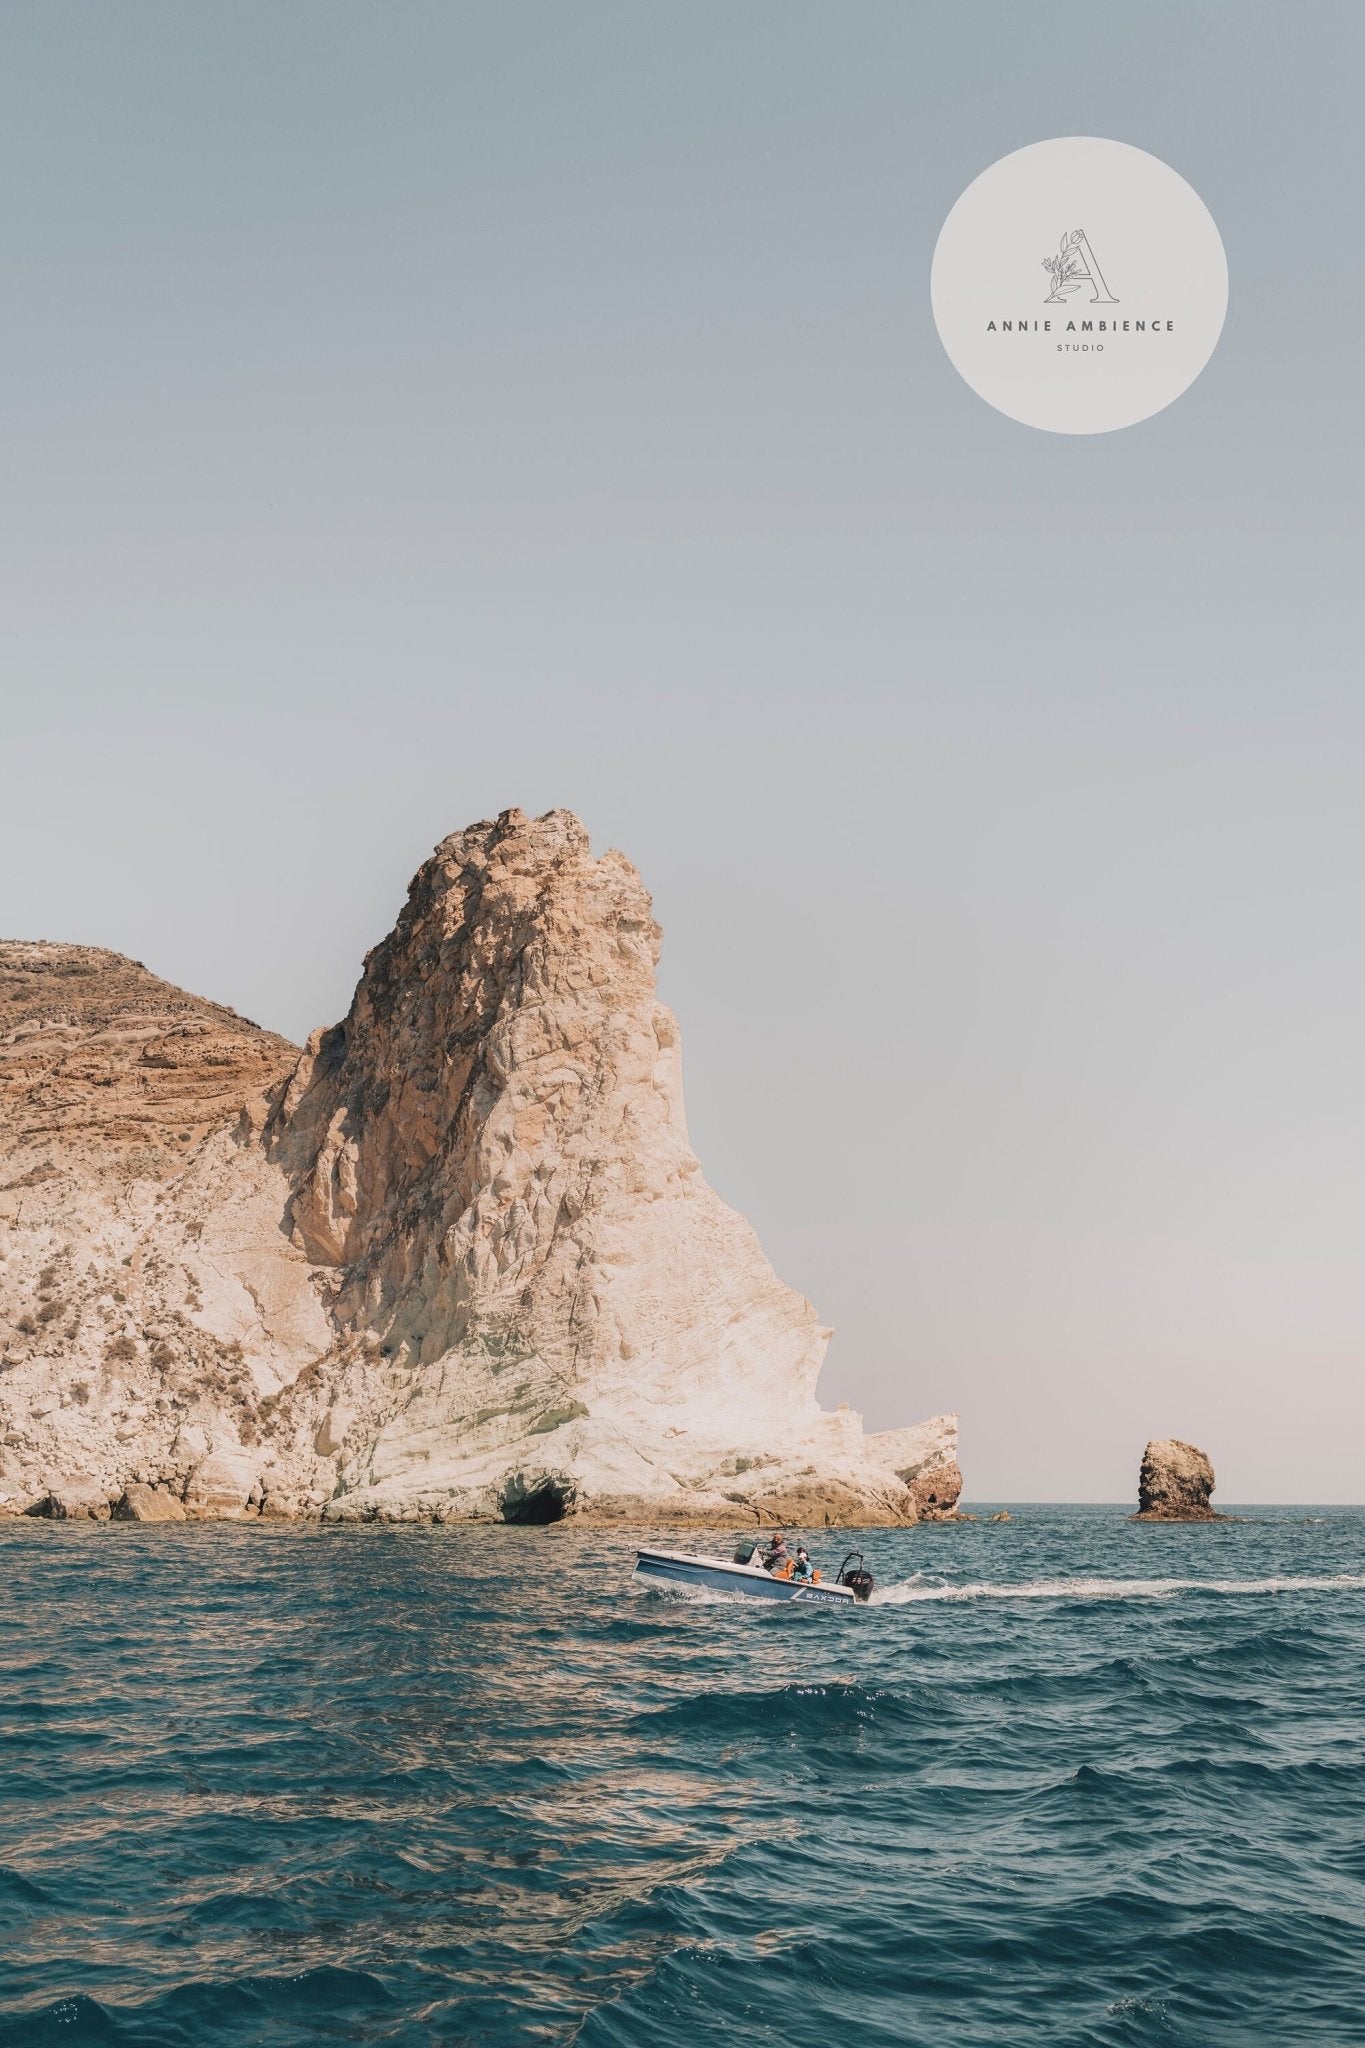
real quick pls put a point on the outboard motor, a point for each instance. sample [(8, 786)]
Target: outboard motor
[(854, 1574), (747, 1553)]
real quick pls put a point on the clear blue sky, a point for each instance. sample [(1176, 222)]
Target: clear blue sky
[(412, 410)]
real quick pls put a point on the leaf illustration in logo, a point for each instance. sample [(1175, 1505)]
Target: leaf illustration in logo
[(1064, 241)]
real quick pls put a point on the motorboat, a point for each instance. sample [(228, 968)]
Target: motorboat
[(746, 1574)]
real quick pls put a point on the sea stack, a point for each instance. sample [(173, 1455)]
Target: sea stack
[(457, 1260), (1175, 1481)]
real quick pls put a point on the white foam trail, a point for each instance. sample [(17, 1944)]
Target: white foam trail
[(911, 1590)]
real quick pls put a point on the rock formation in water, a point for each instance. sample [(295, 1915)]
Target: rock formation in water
[(456, 1260), (1175, 1481)]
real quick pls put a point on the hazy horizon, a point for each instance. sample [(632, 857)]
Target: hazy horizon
[(418, 412)]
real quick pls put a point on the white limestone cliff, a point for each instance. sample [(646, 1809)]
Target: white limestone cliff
[(459, 1262)]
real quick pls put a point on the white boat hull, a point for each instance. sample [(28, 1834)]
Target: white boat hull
[(722, 1575)]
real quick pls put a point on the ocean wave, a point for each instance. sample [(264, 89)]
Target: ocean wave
[(815, 1710), (907, 1591)]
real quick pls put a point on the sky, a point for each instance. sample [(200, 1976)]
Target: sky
[(416, 410)]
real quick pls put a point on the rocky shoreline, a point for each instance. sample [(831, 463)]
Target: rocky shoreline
[(154, 1504)]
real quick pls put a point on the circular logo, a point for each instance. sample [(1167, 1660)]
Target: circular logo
[(1079, 285)]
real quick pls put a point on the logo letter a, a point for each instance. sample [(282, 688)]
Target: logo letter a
[(1077, 265)]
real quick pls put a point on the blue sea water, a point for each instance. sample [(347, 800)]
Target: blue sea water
[(1066, 1781)]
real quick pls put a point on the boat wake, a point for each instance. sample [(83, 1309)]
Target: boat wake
[(909, 1591)]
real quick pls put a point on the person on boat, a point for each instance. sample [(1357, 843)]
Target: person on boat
[(777, 1554), (803, 1568)]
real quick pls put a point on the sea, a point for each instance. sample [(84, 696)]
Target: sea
[(1066, 1780)]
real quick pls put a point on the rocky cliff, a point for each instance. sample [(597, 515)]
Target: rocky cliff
[(456, 1260)]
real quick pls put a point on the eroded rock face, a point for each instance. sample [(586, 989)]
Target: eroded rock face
[(1175, 1481), (458, 1259), (924, 1459), (103, 1064), (150, 1307)]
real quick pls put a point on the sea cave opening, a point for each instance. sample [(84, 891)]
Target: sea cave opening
[(548, 1501)]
